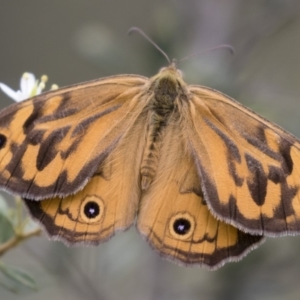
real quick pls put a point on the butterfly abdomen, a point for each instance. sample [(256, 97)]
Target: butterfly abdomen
[(161, 106)]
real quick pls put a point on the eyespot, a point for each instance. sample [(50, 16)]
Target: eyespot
[(182, 226), (92, 209), (3, 140)]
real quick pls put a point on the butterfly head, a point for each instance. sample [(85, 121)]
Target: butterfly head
[(171, 70), (167, 85), (168, 77)]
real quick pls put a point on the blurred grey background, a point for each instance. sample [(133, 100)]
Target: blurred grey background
[(73, 41)]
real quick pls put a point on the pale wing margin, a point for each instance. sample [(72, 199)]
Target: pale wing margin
[(53, 143), (250, 167)]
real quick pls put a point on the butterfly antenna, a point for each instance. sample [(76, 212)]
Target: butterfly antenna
[(142, 33), (228, 47)]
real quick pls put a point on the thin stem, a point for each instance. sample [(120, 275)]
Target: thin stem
[(14, 241)]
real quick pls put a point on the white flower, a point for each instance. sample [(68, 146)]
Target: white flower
[(29, 87)]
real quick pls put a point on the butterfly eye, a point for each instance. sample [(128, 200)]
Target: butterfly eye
[(2, 141), (92, 209), (182, 226)]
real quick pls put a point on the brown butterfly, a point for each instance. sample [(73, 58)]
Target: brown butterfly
[(205, 177)]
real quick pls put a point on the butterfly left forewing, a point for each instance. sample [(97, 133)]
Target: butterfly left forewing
[(52, 144), (249, 167), (109, 201), (174, 217)]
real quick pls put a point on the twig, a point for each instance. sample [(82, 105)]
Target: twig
[(17, 239)]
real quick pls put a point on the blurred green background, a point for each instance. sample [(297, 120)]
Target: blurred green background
[(75, 40)]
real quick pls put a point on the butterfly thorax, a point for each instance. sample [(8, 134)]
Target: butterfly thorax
[(163, 105)]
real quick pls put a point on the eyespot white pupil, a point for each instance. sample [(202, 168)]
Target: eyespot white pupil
[(182, 226), (91, 209)]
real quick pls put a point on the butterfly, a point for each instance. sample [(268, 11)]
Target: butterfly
[(204, 178)]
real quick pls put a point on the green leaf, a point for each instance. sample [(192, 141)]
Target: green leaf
[(6, 224), (6, 229), (18, 275), (4, 209)]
